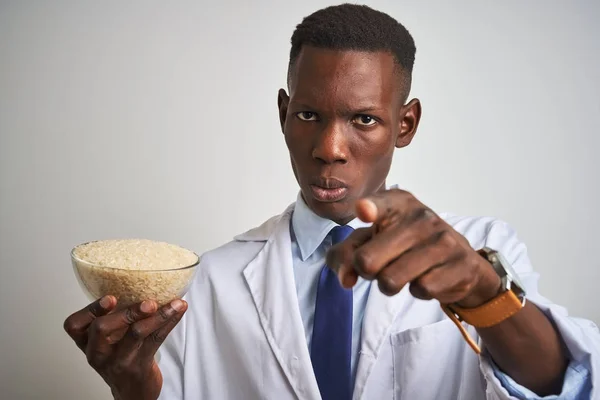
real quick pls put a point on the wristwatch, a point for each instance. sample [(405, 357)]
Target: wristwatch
[(510, 300)]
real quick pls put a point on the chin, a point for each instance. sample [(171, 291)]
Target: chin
[(340, 212)]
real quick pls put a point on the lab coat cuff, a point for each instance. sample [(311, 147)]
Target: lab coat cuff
[(581, 339)]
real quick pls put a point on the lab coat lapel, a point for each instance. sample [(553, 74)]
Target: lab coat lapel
[(380, 313), (270, 278)]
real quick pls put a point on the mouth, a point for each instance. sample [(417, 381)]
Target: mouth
[(328, 190)]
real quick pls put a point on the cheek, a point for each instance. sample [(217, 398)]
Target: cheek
[(373, 150), (290, 140), (296, 145), (293, 148), (295, 170), (297, 140), (375, 161), (379, 167)]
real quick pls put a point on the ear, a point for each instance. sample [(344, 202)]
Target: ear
[(410, 117), (282, 103)]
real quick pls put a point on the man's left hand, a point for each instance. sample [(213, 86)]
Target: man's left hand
[(409, 243)]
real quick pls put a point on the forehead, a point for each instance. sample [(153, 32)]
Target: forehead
[(345, 76)]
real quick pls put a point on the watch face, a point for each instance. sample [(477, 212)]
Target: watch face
[(503, 268)]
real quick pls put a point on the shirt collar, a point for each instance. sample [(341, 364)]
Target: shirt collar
[(311, 230)]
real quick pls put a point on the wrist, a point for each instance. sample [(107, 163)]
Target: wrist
[(489, 285), (135, 391), (137, 396)]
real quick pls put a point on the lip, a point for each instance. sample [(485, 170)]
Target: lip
[(328, 190), (328, 183)]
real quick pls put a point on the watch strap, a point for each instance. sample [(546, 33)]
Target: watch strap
[(491, 313), (463, 331)]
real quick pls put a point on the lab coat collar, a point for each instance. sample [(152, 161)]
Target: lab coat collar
[(270, 279)]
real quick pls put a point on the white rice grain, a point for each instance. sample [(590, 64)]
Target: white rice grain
[(134, 270)]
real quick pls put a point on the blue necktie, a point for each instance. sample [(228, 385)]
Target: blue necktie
[(332, 331)]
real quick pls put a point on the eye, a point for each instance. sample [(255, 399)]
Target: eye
[(307, 116), (364, 120)]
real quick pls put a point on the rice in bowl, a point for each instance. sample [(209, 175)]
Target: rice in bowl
[(134, 270)]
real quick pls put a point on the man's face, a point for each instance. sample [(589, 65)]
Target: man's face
[(342, 120)]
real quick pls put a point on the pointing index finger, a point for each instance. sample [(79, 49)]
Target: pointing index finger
[(366, 210), (383, 207)]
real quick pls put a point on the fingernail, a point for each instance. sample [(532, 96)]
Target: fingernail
[(147, 306), (341, 277), (177, 305), (349, 281), (346, 282), (105, 302)]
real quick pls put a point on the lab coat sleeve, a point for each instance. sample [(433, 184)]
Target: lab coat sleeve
[(577, 385), (581, 337)]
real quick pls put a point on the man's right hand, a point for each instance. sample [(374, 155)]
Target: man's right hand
[(120, 344)]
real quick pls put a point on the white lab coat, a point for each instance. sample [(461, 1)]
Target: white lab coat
[(243, 338)]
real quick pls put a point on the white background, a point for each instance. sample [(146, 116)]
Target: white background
[(159, 120)]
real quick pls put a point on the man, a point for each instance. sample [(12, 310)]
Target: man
[(354, 291)]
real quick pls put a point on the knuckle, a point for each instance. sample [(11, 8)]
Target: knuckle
[(433, 223), (424, 216), (412, 200), (446, 239), (364, 261), (136, 332), (120, 366), (418, 214), (426, 286), (166, 312), (130, 316), (465, 286), (400, 192), (474, 261), (99, 326), (70, 326), (435, 219), (449, 298), (464, 242), (158, 337), (461, 289), (466, 281)]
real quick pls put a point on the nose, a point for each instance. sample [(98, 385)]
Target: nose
[(331, 145)]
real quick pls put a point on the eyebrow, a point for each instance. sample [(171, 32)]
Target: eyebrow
[(301, 105), (368, 109), (362, 109)]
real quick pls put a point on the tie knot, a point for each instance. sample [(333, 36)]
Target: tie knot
[(340, 233)]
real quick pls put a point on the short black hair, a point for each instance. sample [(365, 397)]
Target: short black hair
[(355, 27)]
